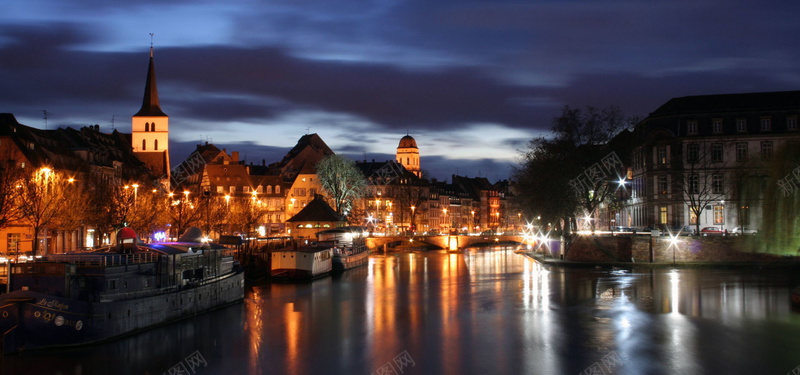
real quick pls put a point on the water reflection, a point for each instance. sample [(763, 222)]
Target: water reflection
[(474, 312)]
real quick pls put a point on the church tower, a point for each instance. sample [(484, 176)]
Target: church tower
[(408, 154), (150, 131)]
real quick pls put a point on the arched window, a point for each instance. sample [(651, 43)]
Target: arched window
[(277, 189), (155, 145), (147, 126), (153, 127), (144, 145)]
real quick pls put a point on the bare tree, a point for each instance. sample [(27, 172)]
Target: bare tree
[(41, 200), (701, 182), (9, 177), (342, 180)]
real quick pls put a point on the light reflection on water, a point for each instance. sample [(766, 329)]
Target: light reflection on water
[(484, 311)]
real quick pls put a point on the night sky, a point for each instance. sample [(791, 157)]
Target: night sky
[(472, 82)]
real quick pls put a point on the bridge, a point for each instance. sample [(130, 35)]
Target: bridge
[(449, 242)]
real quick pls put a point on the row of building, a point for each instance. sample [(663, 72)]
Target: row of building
[(397, 199)]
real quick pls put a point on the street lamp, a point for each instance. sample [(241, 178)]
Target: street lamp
[(472, 225), (412, 216), (445, 219)]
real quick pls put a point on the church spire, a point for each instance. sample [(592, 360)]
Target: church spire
[(150, 105)]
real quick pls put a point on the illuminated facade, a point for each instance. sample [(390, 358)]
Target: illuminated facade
[(150, 128), (408, 155)]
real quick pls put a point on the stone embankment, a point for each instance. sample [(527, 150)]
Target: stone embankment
[(718, 250)]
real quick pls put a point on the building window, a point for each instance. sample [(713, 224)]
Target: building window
[(155, 145), (719, 215), (246, 189), (269, 189), (663, 215), (694, 183), (663, 186), (12, 241), (741, 151), (716, 126), (147, 126), (153, 127), (692, 153), (232, 189), (277, 189), (741, 125), (312, 192), (220, 189), (766, 149), (717, 184), (716, 152), (299, 192), (766, 124), (260, 189), (691, 127), (144, 145), (791, 123), (662, 155), (692, 216)]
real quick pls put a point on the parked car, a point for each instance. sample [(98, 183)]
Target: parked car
[(743, 230), (621, 229), (711, 231)]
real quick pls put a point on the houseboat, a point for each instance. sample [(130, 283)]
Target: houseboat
[(79, 298), (350, 246), (302, 262)]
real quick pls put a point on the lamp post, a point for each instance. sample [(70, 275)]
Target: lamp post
[(472, 225), (412, 227), (444, 221)]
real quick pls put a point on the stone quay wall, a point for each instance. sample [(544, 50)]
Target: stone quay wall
[(662, 249)]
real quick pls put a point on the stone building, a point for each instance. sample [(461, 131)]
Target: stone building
[(712, 155)]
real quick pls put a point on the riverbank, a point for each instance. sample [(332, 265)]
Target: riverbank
[(778, 262)]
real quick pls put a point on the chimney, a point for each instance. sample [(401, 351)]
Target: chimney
[(263, 162), (234, 156)]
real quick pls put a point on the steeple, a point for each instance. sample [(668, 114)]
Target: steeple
[(150, 106)]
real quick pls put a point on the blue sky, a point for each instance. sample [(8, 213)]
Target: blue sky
[(472, 81)]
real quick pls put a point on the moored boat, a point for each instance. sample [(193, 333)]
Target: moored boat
[(350, 247), (81, 298), (301, 262)]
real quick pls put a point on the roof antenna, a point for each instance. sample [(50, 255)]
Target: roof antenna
[(45, 117), (308, 130), (151, 45), (112, 121)]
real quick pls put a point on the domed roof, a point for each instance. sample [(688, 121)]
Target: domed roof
[(407, 142)]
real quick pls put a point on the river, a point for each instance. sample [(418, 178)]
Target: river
[(478, 311)]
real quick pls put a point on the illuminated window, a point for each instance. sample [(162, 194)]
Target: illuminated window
[(662, 155), (663, 186), (719, 215), (220, 189), (277, 189), (663, 215), (246, 189), (232, 189), (692, 216), (269, 189)]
